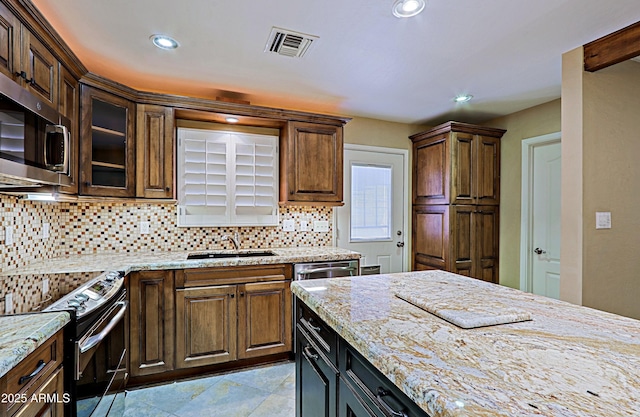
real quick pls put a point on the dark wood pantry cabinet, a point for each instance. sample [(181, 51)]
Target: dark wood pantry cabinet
[(456, 197)]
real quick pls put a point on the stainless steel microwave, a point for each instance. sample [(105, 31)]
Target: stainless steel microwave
[(34, 140)]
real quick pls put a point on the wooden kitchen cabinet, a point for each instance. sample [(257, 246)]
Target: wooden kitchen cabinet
[(107, 144), (152, 322), (457, 163), (311, 168), (457, 238), (206, 330), (231, 313), (68, 106), (39, 373), (154, 151), (264, 318), (26, 60)]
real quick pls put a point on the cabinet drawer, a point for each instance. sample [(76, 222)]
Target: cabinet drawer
[(204, 277), (30, 374), (380, 394), (50, 399), (323, 336)]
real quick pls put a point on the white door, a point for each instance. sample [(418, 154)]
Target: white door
[(373, 218), (545, 204)]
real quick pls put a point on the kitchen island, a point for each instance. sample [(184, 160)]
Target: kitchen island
[(566, 360)]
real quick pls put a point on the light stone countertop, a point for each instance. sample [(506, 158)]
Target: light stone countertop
[(567, 361), (23, 333), (137, 261)]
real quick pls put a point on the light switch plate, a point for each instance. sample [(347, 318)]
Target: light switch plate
[(8, 303), (45, 286), (603, 220), (8, 235), (304, 226), (288, 225), (144, 228), (321, 226), (46, 229)]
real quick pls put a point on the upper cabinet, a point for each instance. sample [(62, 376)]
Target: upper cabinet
[(457, 163), (155, 151), (106, 144), (69, 107), (27, 60), (311, 164)]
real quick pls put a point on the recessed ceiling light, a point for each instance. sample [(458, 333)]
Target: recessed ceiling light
[(407, 8), (462, 98), (164, 42), (231, 119)]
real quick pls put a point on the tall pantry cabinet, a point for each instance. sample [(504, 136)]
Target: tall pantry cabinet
[(456, 197)]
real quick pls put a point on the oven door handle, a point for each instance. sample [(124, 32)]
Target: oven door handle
[(327, 269), (94, 340)]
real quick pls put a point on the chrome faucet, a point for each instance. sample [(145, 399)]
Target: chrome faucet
[(235, 240)]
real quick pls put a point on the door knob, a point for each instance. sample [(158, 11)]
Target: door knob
[(539, 251), (400, 244)]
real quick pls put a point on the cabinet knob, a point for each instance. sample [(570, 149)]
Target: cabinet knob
[(87, 184), (167, 189), (232, 295), (241, 293)]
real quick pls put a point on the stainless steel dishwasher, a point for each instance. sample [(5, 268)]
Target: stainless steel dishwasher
[(318, 270)]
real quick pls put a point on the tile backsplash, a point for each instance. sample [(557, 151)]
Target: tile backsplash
[(93, 227)]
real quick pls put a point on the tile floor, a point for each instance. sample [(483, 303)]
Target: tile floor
[(266, 391)]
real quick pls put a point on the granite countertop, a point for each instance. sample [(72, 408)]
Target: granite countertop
[(23, 333), (567, 360), (137, 261)]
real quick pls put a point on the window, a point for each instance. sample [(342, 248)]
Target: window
[(227, 178), (370, 202)]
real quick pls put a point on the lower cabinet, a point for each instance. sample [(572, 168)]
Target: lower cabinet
[(35, 387), (316, 379), (151, 324), (206, 325)]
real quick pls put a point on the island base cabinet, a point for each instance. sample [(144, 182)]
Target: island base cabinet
[(350, 405), (316, 380)]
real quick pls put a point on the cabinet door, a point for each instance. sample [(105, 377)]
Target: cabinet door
[(350, 405), (487, 225), (41, 68), (151, 323), (316, 381), (430, 237), (68, 106), (487, 170), (9, 43), (463, 245), (154, 150), (431, 170), (463, 168), (106, 144), (264, 319), (205, 326), (312, 155)]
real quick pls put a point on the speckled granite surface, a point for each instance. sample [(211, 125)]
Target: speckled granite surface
[(567, 361), (137, 261), (22, 334)]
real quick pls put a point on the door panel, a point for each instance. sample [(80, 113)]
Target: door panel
[(463, 244), (463, 168), (372, 220)]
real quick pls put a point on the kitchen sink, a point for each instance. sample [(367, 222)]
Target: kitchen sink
[(222, 255)]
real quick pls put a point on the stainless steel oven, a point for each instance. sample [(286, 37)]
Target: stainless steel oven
[(96, 346)]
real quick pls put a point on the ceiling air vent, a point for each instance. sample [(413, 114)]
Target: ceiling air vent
[(289, 43)]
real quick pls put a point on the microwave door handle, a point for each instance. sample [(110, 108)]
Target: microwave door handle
[(94, 340), (327, 269)]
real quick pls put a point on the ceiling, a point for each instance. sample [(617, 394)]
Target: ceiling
[(366, 62)]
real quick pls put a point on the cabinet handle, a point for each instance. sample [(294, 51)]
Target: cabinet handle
[(23, 75), (232, 295), (309, 353), (167, 189), (39, 367), (87, 184), (241, 293), (383, 393), (310, 326)]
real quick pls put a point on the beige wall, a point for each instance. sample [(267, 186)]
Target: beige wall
[(611, 175), (536, 121), (373, 132)]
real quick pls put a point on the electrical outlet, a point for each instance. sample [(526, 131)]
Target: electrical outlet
[(321, 226), (8, 235), (304, 226), (288, 225), (144, 228), (45, 230), (603, 220), (45, 286), (8, 303)]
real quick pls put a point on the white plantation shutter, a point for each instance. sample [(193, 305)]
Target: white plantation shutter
[(227, 178)]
